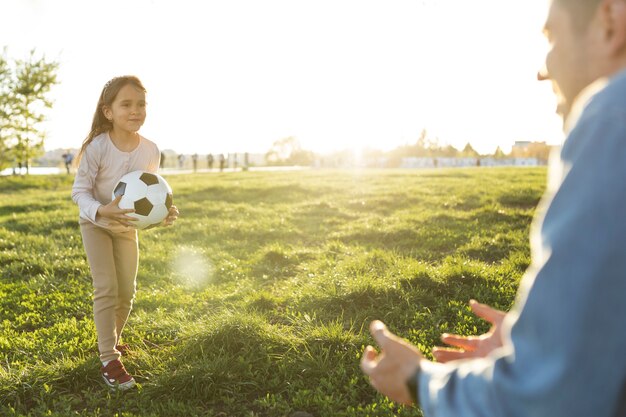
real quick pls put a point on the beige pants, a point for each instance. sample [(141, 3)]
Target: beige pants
[(113, 260)]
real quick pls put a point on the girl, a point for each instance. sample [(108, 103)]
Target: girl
[(112, 149)]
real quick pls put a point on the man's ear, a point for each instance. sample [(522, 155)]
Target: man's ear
[(612, 14)]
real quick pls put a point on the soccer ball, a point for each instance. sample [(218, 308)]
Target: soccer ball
[(148, 193)]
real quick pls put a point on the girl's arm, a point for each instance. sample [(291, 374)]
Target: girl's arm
[(82, 190)]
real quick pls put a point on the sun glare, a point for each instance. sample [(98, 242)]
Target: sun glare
[(191, 267), (254, 73)]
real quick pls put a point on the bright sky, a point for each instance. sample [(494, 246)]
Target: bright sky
[(237, 75)]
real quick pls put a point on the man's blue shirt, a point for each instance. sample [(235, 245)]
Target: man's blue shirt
[(565, 347)]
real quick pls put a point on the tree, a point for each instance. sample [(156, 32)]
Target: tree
[(469, 151), (281, 150), (498, 154), (426, 145), (448, 151), (24, 89), (422, 145), (5, 107), (288, 151)]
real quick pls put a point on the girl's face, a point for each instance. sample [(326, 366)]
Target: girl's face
[(128, 110)]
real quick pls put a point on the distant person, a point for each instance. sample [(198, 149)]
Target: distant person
[(162, 161), (222, 162), (68, 157), (194, 160), (113, 148), (235, 161), (560, 351), (246, 161), (209, 161), (181, 161)]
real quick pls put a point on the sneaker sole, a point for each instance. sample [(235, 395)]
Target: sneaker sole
[(121, 387)]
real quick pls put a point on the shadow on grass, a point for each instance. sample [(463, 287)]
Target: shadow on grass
[(430, 240), (527, 198), (443, 235), (78, 384), (354, 303), (239, 362), (9, 209), (35, 182), (43, 225), (279, 194)]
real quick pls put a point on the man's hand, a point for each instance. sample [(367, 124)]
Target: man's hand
[(390, 370), (172, 215), (112, 211), (468, 347)]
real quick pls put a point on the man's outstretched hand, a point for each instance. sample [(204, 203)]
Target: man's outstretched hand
[(390, 369), (467, 347)]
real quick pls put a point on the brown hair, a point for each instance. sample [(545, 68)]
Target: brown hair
[(100, 123)]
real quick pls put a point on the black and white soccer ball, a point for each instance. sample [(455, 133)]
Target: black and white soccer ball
[(146, 192)]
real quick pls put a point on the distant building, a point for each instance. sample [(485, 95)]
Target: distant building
[(447, 162), (527, 149), (522, 144)]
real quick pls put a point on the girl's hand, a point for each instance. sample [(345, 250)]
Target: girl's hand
[(113, 212), (171, 216)]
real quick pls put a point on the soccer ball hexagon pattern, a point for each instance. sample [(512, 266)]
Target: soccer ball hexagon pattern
[(146, 192)]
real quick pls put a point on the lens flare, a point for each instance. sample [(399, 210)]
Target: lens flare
[(191, 267)]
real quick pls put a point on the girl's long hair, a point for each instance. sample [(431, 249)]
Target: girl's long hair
[(100, 123)]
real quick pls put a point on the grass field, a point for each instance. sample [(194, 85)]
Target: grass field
[(257, 302)]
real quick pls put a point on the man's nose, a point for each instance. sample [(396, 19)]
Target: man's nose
[(542, 74)]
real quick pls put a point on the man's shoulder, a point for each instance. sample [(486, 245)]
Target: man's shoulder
[(602, 104), (598, 132), (612, 97)]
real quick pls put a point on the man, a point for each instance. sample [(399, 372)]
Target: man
[(162, 161), (560, 351), (68, 157)]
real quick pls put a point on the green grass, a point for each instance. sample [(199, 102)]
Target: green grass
[(257, 302)]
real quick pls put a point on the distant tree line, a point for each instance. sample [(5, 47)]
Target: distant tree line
[(288, 151), (24, 89), (24, 98)]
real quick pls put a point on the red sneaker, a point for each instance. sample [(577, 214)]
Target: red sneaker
[(116, 377)]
